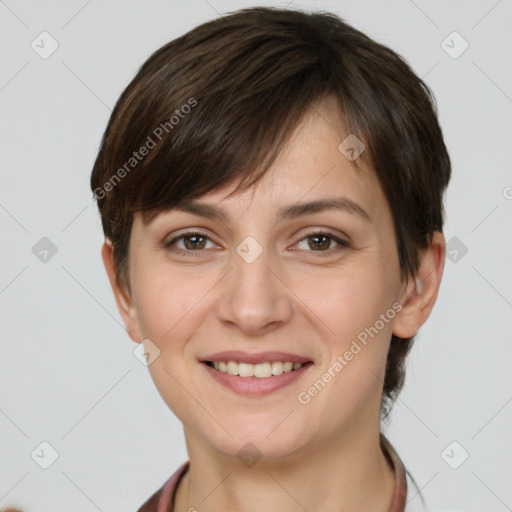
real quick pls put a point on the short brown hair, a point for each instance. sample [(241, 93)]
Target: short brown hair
[(229, 94)]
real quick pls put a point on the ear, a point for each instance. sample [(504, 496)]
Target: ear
[(419, 295), (122, 294)]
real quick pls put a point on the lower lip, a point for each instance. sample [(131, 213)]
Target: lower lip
[(254, 386)]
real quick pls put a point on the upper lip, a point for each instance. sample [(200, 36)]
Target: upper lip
[(255, 357)]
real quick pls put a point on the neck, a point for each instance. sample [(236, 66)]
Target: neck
[(358, 477)]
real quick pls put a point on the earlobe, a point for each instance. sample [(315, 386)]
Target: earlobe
[(420, 294), (121, 294)]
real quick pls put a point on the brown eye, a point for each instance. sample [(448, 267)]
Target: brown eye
[(193, 242), (319, 242), (189, 242), (322, 243)]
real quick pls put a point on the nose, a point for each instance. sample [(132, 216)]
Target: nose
[(254, 298)]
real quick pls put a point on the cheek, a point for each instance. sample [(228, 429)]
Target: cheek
[(350, 303), (169, 306), (166, 302), (345, 301)]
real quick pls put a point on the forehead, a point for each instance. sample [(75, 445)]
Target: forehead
[(310, 167), (309, 172)]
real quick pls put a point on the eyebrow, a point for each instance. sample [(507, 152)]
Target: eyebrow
[(285, 212)]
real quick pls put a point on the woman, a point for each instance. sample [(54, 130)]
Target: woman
[(271, 192)]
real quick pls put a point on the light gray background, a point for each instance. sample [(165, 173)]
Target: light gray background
[(67, 372)]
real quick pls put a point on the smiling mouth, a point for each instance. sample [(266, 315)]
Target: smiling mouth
[(259, 370)]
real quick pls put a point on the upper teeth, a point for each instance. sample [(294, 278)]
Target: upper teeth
[(260, 370)]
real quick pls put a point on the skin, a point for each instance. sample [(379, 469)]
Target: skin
[(294, 297)]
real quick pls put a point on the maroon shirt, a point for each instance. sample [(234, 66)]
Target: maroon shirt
[(163, 499)]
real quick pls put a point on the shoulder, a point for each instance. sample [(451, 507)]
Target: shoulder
[(416, 502), (162, 500), (151, 504)]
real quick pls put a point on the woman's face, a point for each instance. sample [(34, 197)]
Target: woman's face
[(272, 281)]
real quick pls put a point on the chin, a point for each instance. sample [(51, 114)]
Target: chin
[(251, 441)]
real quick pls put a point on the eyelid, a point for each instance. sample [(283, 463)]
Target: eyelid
[(184, 234), (341, 243), (337, 234)]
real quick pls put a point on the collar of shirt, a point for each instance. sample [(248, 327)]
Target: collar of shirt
[(163, 499)]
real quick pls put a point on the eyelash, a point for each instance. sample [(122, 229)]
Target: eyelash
[(342, 244)]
